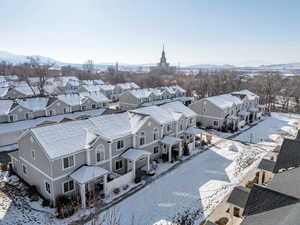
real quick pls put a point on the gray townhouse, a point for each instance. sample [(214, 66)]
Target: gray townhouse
[(5, 106), (123, 87), (233, 110), (108, 90), (93, 100), (3, 92), (21, 92), (101, 153), (152, 96)]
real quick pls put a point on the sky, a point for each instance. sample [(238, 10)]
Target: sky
[(236, 32)]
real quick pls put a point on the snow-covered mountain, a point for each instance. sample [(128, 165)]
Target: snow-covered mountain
[(15, 59)]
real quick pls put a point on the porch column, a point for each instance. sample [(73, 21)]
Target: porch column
[(260, 177), (104, 184), (180, 148), (133, 169), (170, 153), (82, 195), (194, 142), (148, 162)]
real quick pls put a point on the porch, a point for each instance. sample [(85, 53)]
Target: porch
[(261, 110), (171, 148), (91, 181), (138, 161), (244, 118), (253, 114), (189, 143)]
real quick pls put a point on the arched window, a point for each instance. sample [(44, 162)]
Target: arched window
[(100, 153)]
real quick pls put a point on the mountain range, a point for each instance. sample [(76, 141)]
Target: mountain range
[(16, 59)]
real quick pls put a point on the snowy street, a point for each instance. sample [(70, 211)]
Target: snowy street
[(195, 187)]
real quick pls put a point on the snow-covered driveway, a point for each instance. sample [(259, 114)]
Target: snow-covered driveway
[(199, 183)]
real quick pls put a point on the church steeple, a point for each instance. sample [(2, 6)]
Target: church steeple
[(163, 59)]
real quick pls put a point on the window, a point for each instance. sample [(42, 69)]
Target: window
[(68, 162), (216, 123), (120, 144), (100, 153), (181, 125), (155, 134), (68, 186), (93, 106), (119, 164), (191, 121), (51, 112), (168, 128), (155, 150), (24, 169), (204, 107), (27, 116), (142, 138), (83, 107), (65, 110), (47, 187), (33, 153)]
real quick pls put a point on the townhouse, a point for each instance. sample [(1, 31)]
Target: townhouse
[(104, 152), (152, 96), (31, 108), (228, 111)]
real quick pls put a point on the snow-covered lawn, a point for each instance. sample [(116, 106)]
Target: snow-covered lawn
[(194, 188), (271, 129)]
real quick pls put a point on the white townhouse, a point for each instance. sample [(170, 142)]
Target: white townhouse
[(102, 153)]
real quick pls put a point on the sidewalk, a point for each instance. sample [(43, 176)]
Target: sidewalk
[(150, 180)]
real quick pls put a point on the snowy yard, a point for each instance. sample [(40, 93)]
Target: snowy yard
[(195, 187)]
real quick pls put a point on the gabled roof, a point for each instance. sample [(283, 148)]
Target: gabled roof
[(267, 165), (33, 104), (26, 90), (180, 108), (5, 106), (268, 207), (107, 87), (128, 85), (98, 81), (70, 99), (158, 113), (96, 96), (287, 182), (239, 196), (91, 87), (86, 174), (262, 199), (141, 93), (289, 155), (249, 94), (224, 101)]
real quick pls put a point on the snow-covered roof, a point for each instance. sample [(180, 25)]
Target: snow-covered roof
[(224, 101), (91, 87), (249, 94), (177, 87), (96, 96), (134, 154), (99, 81), (170, 140), (107, 87), (87, 82), (244, 113), (26, 90), (193, 131), (253, 109), (3, 91), (113, 126), (141, 93), (86, 174), (128, 85), (180, 108), (33, 104), (70, 99), (65, 138), (163, 101), (5, 106), (158, 113)]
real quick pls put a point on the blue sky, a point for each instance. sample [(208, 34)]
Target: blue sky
[(236, 32)]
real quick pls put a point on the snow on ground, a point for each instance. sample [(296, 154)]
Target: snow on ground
[(271, 128), (194, 188)]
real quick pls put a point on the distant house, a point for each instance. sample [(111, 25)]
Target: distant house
[(3, 92), (73, 101), (22, 92), (152, 96), (233, 110), (108, 90), (93, 100), (5, 106)]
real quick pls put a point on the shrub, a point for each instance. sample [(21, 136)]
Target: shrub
[(116, 191), (32, 190), (222, 221), (137, 180), (65, 207), (46, 203), (249, 184)]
